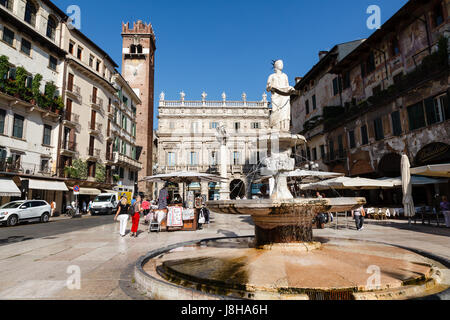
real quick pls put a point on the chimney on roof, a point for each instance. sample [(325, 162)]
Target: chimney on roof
[(298, 79), (322, 54)]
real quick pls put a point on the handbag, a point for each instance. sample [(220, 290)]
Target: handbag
[(201, 218), (131, 211)]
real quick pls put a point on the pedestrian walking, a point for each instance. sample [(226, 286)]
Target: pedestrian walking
[(53, 207), (445, 208), (146, 210), (84, 206), (137, 209), (359, 215), (122, 215), (89, 206)]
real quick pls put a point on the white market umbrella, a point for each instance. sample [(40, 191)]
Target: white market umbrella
[(437, 170), (185, 177), (408, 201), (348, 183), (320, 175), (415, 181)]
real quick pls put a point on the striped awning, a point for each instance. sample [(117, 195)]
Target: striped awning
[(8, 188)]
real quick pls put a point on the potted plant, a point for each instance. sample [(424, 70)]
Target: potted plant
[(4, 67), (59, 104), (21, 78), (69, 172), (36, 89), (9, 162)]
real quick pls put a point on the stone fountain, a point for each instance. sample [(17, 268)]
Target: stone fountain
[(282, 219), (283, 260)]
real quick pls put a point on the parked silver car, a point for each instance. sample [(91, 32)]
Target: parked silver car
[(26, 210)]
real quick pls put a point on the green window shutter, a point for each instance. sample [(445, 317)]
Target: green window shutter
[(416, 116), (432, 117)]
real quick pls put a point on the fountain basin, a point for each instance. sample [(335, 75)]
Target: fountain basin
[(284, 221), (342, 269)]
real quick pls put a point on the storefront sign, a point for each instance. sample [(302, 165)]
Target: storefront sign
[(432, 154)]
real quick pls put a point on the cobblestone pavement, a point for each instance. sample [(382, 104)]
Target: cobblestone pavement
[(42, 268)]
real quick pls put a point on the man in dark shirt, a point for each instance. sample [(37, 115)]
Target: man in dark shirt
[(163, 198)]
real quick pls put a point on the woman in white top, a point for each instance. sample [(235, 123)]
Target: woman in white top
[(122, 215)]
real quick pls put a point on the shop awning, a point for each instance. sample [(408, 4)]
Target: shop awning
[(437, 170), (48, 185), (8, 188), (88, 191)]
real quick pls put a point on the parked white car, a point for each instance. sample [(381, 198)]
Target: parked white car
[(26, 210)]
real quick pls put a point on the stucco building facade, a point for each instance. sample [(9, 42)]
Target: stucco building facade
[(392, 99), (187, 140)]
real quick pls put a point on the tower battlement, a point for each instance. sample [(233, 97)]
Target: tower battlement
[(139, 27)]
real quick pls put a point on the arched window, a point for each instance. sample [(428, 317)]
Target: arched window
[(51, 28), (132, 48), (139, 49), (8, 4), (30, 13)]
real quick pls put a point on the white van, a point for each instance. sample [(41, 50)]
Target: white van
[(105, 203)]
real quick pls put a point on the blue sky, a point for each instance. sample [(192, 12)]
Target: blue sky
[(218, 45)]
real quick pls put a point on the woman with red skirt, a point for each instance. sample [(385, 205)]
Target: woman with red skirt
[(137, 207)]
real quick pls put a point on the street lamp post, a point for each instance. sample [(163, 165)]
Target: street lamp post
[(222, 137)]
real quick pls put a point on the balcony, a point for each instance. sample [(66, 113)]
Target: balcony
[(109, 158), (71, 120), (97, 103), (335, 157), (126, 161), (95, 128), (93, 154), (68, 148), (236, 169), (24, 168), (75, 93)]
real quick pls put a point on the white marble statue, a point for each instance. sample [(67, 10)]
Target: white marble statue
[(182, 95), (204, 95), (224, 96), (278, 85), (162, 96)]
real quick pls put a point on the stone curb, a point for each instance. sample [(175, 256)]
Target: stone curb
[(158, 289)]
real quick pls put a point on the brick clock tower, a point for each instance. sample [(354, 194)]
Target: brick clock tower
[(138, 68)]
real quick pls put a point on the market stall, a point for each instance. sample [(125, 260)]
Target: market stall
[(182, 216)]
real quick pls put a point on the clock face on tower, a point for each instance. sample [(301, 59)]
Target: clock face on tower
[(132, 68)]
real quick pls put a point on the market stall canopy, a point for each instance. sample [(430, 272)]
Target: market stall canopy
[(48, 185), (415, 180), (305, 174), (89, 191), (348, 183), (185, 177), (437, 170), (8, 188)]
